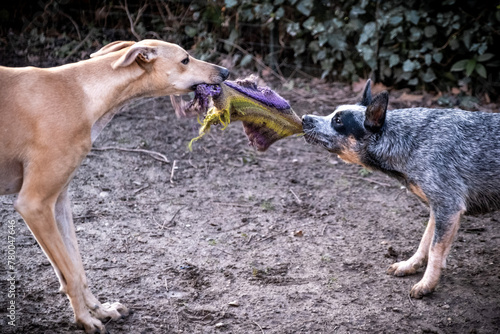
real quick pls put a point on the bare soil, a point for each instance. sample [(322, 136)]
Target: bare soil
[(292, 240)]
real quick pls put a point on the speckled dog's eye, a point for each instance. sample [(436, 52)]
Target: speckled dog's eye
[(337, 120)]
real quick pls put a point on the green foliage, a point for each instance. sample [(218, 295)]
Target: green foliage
[(474, 65), (402, 43)]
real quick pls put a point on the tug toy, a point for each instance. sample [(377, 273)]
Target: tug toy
[(266, 116)]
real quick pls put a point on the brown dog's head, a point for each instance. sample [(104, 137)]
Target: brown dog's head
[(171, 70)]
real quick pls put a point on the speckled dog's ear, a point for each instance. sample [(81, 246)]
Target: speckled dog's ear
[(375, 112), (367, 94)]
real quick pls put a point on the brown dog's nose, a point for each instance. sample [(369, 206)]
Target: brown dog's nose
[(224, 73)]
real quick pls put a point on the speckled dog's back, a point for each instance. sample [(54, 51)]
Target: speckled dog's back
[(449, 158)]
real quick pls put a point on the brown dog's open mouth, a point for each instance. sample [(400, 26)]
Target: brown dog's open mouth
[(266, 116)]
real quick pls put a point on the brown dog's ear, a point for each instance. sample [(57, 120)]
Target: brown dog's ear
[(375, 112), (112, 47), (136, 52)]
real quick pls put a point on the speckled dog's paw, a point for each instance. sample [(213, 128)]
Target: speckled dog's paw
[(404, 268)]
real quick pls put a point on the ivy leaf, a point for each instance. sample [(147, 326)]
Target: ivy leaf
[(395, 32), (368, 55), (233, 36), (454, 44), (280, 12), (481, 70), (265, 10), (190, 31), (337, 41), (318, 28), (309, 23), (469, 67), (348, 68), (321, 55), (413, 82), (415, 34), (430, 31), (356, 11), (247, 15), (393, 60), (230, 3), (485, 57), (395, 20), (299, 46), (314, 46), (305, 7), (246, 60), (410, 66), (384, 52), (368, 32), (429, 75), (293, 29), (428, 59), (413, 16), (459, 65), (437, 57), (467, 35), (322, 39)]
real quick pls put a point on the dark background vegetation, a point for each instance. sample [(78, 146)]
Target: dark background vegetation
[(430, 45), (225, 239)]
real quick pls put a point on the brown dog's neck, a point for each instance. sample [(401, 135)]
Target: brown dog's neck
[(104, 89)]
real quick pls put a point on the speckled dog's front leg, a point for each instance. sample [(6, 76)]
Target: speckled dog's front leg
[(419, 259), (445, 232)]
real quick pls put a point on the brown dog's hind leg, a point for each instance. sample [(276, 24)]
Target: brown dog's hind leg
[(42, 197), (39, 216), (419, 259), (439, 250), (66, 227)]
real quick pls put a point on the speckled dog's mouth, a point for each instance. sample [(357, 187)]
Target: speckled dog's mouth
[(312, 138)]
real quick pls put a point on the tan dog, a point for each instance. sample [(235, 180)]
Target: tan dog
[(49, 119)]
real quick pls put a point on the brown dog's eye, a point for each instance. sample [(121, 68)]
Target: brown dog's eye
[(185, 61)]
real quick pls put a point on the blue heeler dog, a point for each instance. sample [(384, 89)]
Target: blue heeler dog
[(448, 158)]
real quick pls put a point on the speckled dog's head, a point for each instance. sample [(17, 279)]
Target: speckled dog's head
[(349, 127)]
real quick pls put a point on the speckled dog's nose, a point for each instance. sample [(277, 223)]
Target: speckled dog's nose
[(307, 121)]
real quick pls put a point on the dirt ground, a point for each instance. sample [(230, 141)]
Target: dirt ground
[(230, 240)]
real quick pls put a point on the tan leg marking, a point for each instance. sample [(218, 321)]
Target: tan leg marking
[(418, 191), (419, 259), (437, 260)]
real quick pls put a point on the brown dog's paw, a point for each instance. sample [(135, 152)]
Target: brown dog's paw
[(421, 289), (90, 324), (112, 311)]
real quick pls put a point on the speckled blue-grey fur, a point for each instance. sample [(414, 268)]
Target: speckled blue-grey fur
[(453, 156)]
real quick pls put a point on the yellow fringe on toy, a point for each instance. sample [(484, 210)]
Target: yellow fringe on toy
[(266, 116)]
